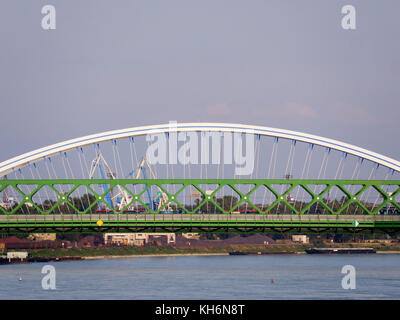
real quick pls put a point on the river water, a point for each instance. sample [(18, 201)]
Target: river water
[(208, 277)]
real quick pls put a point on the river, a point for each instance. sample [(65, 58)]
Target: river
[(208, 277)]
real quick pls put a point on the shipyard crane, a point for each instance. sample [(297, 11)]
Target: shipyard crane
[(161, 198), (122, 198)]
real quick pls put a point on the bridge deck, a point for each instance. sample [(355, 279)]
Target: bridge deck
[(197, 217), (198, 223)]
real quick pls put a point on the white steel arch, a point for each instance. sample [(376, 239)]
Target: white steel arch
[(36, 155)]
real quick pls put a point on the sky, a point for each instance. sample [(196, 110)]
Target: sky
[(279, 63)]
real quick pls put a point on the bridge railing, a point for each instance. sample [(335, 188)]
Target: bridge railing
[(198, 223)]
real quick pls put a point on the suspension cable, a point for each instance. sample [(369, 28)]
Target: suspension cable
[(356, 173), (47, 193), (371, 175), (258, 152), (302, 174), (269, 169), (73, 177), (15, 192)]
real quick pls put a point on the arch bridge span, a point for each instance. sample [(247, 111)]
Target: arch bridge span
[(31, 157), (223, 204)]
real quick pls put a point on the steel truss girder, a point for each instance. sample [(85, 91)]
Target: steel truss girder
[(13, 221), (244, 198)]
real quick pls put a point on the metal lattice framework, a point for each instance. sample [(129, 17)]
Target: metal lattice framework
[(317, 198)]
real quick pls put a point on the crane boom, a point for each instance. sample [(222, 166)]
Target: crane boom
[(122, 199), (162, 198)]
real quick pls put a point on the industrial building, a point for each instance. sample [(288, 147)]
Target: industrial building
[(300, 238), (42, 236), (138, 239)]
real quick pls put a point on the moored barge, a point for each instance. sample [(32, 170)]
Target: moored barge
[(248, 253), (340, 251)]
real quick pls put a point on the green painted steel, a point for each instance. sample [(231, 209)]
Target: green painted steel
[(232, 224), (317, 199), (18, 217)]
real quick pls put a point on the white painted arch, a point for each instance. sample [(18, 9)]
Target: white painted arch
[(20, 161)]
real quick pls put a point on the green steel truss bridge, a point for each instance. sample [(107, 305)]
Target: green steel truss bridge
[(118, 181)]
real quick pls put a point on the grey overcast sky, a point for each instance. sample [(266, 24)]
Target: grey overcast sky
[(120, 63)]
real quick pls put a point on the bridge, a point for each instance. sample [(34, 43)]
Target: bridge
[(222, 178)]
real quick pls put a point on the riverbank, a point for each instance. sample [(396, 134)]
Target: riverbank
[(156, 255), (85, 253), (43, 258), (389, 252), (100, 252)]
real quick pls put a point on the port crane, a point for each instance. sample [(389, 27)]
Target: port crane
[(161, 199), (122, 198)]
